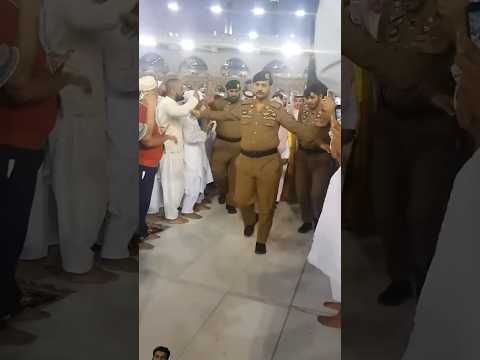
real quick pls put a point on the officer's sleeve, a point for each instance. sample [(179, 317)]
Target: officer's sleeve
[(289, 122), (224, 115)]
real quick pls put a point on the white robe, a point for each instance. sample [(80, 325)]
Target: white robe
[(326, 252), (121, 70), (75, 167), (197, 167), (172, 167), (446, 322), (284, 154), (328, 43), (156, 200)]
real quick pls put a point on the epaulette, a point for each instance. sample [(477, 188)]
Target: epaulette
[(247, 102), (276, 105)]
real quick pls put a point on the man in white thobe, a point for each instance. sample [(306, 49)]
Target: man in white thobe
[(121, 78), (72, 187), (172, 168), (446, 320), (197, 167)]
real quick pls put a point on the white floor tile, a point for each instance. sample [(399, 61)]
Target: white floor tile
[(314, 290), (172, 315), (240, 329), (304, 338)]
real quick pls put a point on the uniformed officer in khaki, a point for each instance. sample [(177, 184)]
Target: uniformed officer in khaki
[(227, 145), (403, 44), (258, 167), (314, 166)]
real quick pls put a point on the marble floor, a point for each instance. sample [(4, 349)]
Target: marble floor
[(207, 296), (370, 331)]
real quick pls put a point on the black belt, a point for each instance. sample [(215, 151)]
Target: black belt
[(258, 154), (311, 151), (229, 139)]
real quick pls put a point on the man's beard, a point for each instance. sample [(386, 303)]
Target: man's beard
[(233, 99), (314, 107), (261, 96)]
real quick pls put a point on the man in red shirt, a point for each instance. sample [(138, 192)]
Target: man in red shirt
[(28, 109), (150, 149)]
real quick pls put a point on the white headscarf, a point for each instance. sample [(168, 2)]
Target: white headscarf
[(145, 84)]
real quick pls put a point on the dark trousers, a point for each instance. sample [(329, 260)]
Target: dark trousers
[(146, 181), (415, 162), (312, 177), (16, 196)]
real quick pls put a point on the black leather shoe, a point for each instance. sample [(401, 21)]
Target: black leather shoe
[(260, 249), (396, 294), (231, 209), (249, 229), (221, 199), (305, 228)]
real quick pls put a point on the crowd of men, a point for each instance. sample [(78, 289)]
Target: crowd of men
[(69, 80), (422, 128), (250, 133)]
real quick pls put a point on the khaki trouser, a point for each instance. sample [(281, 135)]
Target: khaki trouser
[(223, 167), (257, 182), (312, 177)]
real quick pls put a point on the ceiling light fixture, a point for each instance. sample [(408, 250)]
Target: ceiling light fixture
[(300, 13), (253, 35), (291, 49), (246, 48), (216, 9), (173, 6), (187, 44), (258, 11)]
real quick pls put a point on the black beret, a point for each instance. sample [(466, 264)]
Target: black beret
[(233, 85), (263, 76)]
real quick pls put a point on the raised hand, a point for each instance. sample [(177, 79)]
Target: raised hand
[(58, 61), (171, 138)]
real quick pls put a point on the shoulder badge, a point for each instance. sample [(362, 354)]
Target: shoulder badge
[(275, 105)]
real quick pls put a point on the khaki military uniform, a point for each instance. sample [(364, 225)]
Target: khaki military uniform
[(314, 167), (225, 150), (415, 157), (258, 167)]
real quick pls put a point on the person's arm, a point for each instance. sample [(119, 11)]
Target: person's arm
[(174, 110), (468, 60), (150, 102), (336, 141), (228, 114), (288, 121), (27, 40), (94, 16), (41, 88), (156, 140)]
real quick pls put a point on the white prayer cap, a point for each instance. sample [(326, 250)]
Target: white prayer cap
[(8, 62), (147, 83)]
